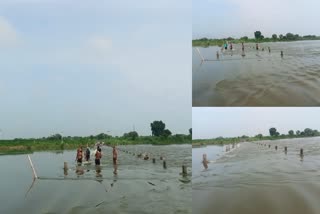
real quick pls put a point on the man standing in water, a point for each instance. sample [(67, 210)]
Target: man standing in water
[(79, 155), (257, 46), (242, 46), (87, 153), (114, 154), (225, 46), (205, 161), (98, 156)]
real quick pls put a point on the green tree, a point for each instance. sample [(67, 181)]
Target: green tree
[(290, 36), (157, 128), (166, 133), (298, 132), (131, 135), (281, 37), (55, 137), (308, 132), (272, 131), (244, 38), (102, 136), (190, 131), (291, 132), (274, 36), (259, 136), (257, 35)]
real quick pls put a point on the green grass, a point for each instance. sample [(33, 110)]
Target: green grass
[(220, 42), (24, 146), (225, 141)]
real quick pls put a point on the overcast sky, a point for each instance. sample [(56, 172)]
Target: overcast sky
[(236, 18), (82, 68), (232, 121)]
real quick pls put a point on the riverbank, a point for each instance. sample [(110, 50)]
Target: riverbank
[(219, 42), (25, 146), (226, 141)]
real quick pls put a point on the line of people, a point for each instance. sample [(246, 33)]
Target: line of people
[(97, 155), (226, 44)]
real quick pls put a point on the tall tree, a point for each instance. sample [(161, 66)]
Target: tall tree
[(190, 131), (280, 36), (274, 36), (291, 132), (308, 132), (157, 128), (257, 34), (273, 131), (290, 36)]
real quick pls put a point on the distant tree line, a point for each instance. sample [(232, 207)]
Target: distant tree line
[(158, 129), (273, 135), (307, 132), (286, 37), (258, 37)]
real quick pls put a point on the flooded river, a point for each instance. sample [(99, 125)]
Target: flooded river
[(140, 186), (257, 179), (259, 78)]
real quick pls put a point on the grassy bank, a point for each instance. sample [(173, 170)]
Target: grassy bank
[(24, 146), (204, 42), (225, 141)]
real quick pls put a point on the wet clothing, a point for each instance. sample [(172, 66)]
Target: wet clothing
[(226, 46), (79, 156), (87, 154), (98, 157), (115, 155), (97, 162)]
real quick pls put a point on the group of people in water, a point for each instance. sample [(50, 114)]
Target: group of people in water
[(97, 154), (230, 45)]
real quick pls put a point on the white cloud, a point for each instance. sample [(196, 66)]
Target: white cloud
[(8, 35), (96, 50), (100, 43)]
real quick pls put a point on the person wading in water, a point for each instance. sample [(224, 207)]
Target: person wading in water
[(87, 154), (114, 155), (79, 155), (205, 161), (98, 156)]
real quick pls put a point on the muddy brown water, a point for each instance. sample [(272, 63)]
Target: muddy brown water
[(139, 187), (257, 179), (260, 78)]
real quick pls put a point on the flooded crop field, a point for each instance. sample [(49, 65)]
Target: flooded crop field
[(140, 186), (255, 178), (259, 78)]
